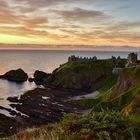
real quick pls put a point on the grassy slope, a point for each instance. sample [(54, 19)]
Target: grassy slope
[(104, 90), (104, 125), (128, 99)]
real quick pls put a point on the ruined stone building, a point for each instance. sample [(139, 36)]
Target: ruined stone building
[(74, 58), (132, 57)]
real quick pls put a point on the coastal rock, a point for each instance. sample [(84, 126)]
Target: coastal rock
[(11, 112), (11, 125), (6, 125), (125, 94), (31, 80), (15, 75), (13, 99), (39, 77)]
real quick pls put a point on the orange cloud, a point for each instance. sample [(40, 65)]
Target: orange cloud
[(48, 22)]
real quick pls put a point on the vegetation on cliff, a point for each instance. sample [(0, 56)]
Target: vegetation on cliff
[(84, 75), (124, 95)]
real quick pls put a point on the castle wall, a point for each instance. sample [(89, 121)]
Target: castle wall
[(81, 59)]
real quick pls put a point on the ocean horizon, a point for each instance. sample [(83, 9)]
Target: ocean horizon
[(47, 60)]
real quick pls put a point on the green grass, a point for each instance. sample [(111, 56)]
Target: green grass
[(105, 89), (105, 85), (128, 98), (104, 125)]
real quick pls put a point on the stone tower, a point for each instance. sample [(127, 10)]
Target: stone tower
[(132, 57)]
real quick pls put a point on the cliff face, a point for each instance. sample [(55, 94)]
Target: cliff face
[(81, 75), (127, 78), (125, 95), (128, 90)]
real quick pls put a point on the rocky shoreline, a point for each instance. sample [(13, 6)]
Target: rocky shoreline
[(38, 107)]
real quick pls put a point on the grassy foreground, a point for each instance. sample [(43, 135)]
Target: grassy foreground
[(104, 125)]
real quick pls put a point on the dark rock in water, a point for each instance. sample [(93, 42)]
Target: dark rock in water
[(11, 112), (13, 99), (39, 77), (15, 75), (31, 80)]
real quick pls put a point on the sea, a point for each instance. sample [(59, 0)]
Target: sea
[(31, 60)]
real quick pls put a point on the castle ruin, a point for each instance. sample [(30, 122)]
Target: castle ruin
[(132, 57), (74, 58)]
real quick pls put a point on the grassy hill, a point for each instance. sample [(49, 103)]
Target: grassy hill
[(124, 95), (104, 125)]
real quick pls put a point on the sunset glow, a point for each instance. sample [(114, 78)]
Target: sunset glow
[(70, 22)]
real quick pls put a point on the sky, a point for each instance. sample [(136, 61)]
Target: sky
[(106, 23)]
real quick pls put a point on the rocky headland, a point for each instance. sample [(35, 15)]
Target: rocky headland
[(39, 77)]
